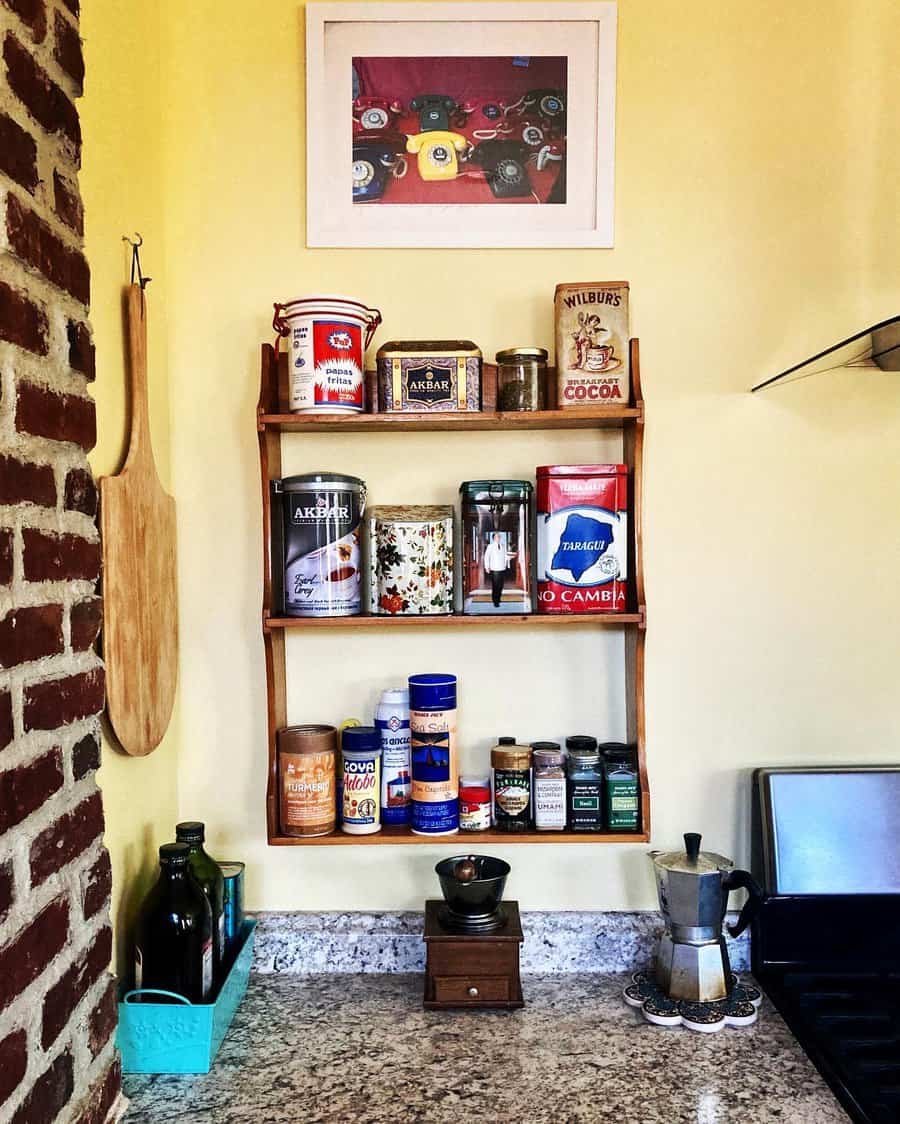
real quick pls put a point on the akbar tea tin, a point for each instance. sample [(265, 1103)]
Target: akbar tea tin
[(496, 546), (429, 376), (592, 343), (410, 560), (322, 523), (582, 539)]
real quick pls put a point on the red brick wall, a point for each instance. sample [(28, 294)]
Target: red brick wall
[(57, 998)]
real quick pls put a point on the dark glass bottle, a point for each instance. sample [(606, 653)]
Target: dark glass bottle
[(173, 941), (209, 874)]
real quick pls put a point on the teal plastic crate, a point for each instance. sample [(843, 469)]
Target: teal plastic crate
[(182, 1037)]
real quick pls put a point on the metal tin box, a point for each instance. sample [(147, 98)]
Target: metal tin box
[(411, 560), (592, 344), (429, 376)]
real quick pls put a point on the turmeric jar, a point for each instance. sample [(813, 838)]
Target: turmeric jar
[(306, 777)]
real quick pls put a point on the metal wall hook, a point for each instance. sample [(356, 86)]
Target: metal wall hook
[(136, 260)]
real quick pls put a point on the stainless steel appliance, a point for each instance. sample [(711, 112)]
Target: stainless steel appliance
[(826, 942), (693, 887)]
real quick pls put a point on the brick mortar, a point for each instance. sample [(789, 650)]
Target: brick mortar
[(22, 276), (42, 52)]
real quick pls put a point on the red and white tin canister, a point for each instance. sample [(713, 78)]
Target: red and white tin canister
[(328, 340), (582, 538)]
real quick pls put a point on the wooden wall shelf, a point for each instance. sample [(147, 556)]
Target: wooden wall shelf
[(464, 841), (272, 421), (458, 620)]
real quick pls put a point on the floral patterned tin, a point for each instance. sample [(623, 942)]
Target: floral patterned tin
[(410, 560), (429, 376)]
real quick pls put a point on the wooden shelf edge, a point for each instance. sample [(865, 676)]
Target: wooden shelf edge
[(460, 620), (574, 418), (464, 842)]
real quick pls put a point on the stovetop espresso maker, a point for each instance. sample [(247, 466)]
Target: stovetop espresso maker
[(693, 887)]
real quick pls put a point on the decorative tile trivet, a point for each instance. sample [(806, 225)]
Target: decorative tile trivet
[(738, 1009)]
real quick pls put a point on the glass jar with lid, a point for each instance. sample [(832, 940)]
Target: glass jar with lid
[(521, 378), (549, 786), (511, 785), (584, 788)]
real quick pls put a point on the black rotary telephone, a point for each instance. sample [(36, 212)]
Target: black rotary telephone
[(434, 111), (504, 167), (550, 104)]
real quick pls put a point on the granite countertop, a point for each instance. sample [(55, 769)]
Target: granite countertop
[(361, 1048)]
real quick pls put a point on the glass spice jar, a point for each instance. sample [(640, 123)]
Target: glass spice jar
[(549, 786), (521, 378), (511, 785), (584, 791)]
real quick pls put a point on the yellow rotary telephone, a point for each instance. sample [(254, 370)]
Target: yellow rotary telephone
[(437, 153)]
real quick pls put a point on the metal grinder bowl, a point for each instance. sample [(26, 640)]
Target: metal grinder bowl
[(475, 902)]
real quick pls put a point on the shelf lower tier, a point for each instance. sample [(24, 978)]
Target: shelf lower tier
[(458, 620), (463, 841)]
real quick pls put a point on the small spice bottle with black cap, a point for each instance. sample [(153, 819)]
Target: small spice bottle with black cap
[(511, 786), (622, 798), (584, 786)]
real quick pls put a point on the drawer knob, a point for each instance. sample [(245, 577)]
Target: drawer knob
[(473, 992)]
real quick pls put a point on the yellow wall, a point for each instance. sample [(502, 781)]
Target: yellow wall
[(122, 193), (757, 163)]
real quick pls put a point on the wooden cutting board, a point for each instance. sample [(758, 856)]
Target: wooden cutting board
[(137, 518)]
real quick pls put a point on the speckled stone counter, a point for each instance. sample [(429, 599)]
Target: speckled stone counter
[(360, 1048)]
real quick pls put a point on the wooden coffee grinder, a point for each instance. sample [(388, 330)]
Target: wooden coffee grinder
[(472, 938)]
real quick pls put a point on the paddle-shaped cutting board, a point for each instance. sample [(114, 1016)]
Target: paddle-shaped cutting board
[(137, 518)]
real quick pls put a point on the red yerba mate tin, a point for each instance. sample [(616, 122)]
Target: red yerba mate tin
[(582, 538)]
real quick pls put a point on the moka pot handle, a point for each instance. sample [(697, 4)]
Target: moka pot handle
[(743, 880)]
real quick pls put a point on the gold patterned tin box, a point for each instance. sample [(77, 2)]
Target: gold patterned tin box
[(410, 560), (429, 376)]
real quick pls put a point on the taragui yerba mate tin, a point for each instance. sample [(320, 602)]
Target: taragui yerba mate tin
[(592, 343), (322, 513), (582, 538), (429, 376)]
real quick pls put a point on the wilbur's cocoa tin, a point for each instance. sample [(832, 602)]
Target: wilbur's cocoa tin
[(592, 343), (582, 541), (322, 514)]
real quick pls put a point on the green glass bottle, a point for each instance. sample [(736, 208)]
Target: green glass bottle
[(209, 874), (173, 948)]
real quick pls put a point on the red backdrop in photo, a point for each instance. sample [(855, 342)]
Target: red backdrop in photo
[(466, 79)]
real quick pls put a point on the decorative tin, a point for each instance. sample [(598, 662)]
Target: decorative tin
[(496, 546), (411, 560), (322, 514), (328, 341), (592, 343), (429, 376), (582, 540)]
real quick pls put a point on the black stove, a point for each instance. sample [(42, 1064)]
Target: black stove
[(826, 941)]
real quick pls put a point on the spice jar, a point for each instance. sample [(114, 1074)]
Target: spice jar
[(474, 802), (511, 785), (521, 378), (306, 765), (361, 755), (622, 804), (584, 789), (549, 786)]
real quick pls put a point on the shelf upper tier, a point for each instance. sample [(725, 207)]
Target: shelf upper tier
[(458, 620), (577, 417)]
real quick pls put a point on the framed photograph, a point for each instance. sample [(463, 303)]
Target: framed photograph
[(473, 124)]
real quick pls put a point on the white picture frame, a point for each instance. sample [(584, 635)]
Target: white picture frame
[(585, 32)]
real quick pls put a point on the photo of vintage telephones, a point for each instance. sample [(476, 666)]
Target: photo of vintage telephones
[(504, 164), (373, 114), (434, 111), (438, 153), (376, 160)]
